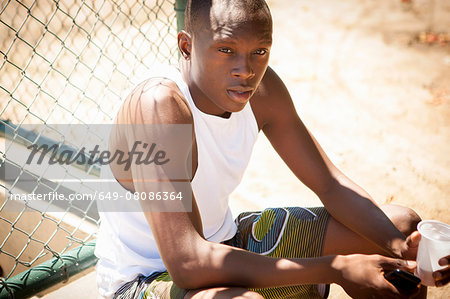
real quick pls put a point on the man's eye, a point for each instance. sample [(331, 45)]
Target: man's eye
[(260, 51), (225, 50)]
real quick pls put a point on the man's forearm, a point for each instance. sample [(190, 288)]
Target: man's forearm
[(222, 265), (353, 207)]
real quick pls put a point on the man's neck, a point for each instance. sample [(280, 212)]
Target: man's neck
[(184, 69)]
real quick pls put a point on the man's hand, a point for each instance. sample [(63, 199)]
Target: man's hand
[(442, 277), (410, 246), (362, 276)]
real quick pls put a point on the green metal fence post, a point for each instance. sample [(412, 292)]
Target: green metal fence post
[(49, 273), (180, 5)]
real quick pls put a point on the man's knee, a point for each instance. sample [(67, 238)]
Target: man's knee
[(246, 294), (223, 292), (252, 295), (404, 218)]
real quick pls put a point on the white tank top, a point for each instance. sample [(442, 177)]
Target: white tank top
[(125, 243)]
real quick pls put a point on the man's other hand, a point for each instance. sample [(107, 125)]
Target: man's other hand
[(442, 277)]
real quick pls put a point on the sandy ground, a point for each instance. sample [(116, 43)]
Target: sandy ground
[(375, 97)]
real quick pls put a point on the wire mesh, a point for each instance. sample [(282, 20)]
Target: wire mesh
[(67, 62)]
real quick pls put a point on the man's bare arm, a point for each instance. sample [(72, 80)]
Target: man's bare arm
[(346, 201)]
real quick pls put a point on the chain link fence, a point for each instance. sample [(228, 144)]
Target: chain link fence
[(67, 62)]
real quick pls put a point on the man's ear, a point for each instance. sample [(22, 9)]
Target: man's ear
[(185, 44)]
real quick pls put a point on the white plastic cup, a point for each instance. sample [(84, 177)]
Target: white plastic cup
[(434, 245)]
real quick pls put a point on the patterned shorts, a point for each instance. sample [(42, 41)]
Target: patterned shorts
[(277, 232)]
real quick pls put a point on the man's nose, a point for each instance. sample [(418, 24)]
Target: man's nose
[(243, 68)]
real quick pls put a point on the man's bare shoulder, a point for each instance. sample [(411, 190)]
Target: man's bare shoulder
[(155, 101)]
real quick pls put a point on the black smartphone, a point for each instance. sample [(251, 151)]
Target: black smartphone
[(403, 281)]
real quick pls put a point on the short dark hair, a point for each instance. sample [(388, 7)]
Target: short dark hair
[(196, 8)]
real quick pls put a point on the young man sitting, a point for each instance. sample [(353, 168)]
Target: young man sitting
[(227, 93)]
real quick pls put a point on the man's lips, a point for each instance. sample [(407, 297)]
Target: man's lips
[(240, 94)]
